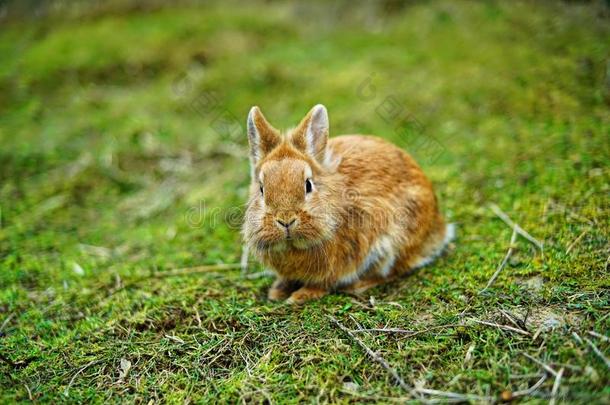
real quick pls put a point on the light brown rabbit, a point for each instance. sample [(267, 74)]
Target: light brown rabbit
[(346, 213)]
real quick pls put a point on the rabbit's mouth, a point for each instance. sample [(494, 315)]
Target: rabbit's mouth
[(269, 239)]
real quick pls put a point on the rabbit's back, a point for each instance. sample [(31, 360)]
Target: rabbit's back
[(393, 212)]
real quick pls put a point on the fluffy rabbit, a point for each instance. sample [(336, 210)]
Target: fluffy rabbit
[(346, 213)]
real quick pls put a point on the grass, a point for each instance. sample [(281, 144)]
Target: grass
[(115, 171)]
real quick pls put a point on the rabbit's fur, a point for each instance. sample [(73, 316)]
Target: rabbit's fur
[(345, 213)]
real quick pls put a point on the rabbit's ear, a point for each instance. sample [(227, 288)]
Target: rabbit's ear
[(311, 135), (261, 135)]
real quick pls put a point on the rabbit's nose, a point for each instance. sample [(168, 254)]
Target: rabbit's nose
[(286, 223)]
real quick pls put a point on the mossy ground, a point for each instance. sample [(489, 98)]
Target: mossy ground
[(115, 169)]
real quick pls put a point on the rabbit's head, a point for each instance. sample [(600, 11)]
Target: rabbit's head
[(293, 195)]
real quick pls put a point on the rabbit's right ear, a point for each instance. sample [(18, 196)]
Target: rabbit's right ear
[(311, 135), (261, 136)]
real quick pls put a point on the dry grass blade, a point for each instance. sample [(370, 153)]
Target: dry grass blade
[(556, 387), (504, 217), (582, 235), (407, 332), (376, 357), (592, 333), (598, 352), (510, 319), (176, 339), (30, 397), (577, 338), (452, 395), (505, 327), (541, 364), (387, 330), (80, 370), (511, 249), (530, 390), (468, 356)]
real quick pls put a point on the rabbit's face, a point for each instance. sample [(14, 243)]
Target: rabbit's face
[(287, 206), (291, 193)]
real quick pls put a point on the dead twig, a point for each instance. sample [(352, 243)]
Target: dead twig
[(376, 357), (505, 327), (541, 364), (556, 386), (504, 217), (511, 249), (598, 352)]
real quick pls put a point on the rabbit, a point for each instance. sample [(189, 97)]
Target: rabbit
[(341, 214)]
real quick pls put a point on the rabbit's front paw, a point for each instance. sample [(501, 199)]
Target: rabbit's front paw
[(305, 294), (281, 289)]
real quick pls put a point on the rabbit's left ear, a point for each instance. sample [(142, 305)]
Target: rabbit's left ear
[(311, 135)]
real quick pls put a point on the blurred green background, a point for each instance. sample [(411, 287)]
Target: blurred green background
[(123, 158)]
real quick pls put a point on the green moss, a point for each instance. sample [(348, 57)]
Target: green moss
[(113, 163)]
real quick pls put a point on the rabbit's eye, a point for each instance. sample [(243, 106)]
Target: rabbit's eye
[(308, 186), (261, 188)]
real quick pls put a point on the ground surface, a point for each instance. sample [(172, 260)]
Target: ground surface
[(116, 172)]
